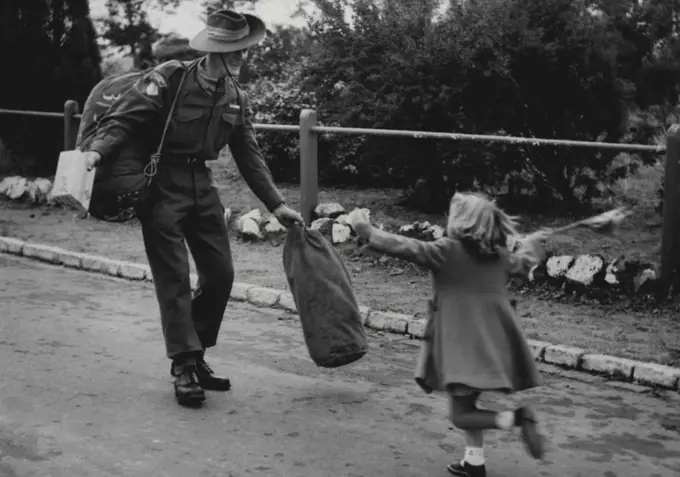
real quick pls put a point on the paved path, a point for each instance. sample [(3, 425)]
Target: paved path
[(85, 391)]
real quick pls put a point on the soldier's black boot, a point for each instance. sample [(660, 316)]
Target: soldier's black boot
[(188, 391), (207, 378)]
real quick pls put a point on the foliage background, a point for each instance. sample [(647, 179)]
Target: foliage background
[(603, 70), (51, 47)]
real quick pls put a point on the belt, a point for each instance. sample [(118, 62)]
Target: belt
[(182, 160)]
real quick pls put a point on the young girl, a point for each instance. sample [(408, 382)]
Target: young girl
[(473, 342)]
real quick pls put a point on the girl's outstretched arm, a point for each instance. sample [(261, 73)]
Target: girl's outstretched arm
[(430, 255)]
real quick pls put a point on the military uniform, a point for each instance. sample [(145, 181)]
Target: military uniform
[(183, 204)]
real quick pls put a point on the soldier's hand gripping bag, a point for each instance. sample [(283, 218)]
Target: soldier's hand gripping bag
[(323, 293)]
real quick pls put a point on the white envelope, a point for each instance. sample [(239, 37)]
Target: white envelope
[(73, 183)]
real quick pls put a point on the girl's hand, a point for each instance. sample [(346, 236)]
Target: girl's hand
[(539, 236), (531, 246), (359, 220)]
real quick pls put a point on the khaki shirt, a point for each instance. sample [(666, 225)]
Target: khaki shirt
[(206, 119)]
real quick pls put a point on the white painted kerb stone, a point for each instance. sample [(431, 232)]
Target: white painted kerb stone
[(387, 321), (71, 259), (364, 311), (11, 245), (132, 271), (538, 348), (110, 267), (41, 252), (563, 355), (657, 375), (416, 327), (609, 365), (287, 302), (92, 264), (239, 291), (262, 296)]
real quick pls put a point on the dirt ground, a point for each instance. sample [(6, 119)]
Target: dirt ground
[(387, 285)]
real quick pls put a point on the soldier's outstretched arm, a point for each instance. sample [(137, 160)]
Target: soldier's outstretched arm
[(248, 158), (138, 110)]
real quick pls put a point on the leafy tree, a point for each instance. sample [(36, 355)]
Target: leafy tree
[(78, 68), (52, 48), (210, 6), (520, 67), (267, 60), (174, 47), (127, 25)]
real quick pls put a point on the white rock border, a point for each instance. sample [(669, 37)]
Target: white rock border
[(620, 369), (35, 191), (575, 274)]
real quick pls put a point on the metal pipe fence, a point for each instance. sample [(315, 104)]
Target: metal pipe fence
[(309, 131)]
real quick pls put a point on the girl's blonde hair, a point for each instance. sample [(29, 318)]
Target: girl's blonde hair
[(479, 224)]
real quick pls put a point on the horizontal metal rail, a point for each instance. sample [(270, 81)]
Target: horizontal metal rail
[(483, 137), (416, 134), (277, 127), (31, 113), (21, 112)]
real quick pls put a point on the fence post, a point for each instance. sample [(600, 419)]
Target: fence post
[(309, 167), (670, 250), (70, 125)]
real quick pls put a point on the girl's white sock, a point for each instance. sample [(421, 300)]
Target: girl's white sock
[(474, 455), (505, 420)]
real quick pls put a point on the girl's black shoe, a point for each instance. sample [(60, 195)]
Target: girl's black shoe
[(526, 419), (463, 469)]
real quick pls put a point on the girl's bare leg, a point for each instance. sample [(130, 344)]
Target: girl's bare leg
[(474, 438), (473, 421), (466, 416)]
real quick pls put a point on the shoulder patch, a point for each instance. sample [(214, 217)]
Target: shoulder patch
[(157, 78), (153, 83), (151, 89)]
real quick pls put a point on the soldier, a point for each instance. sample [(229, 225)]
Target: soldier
[(212, 111)]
